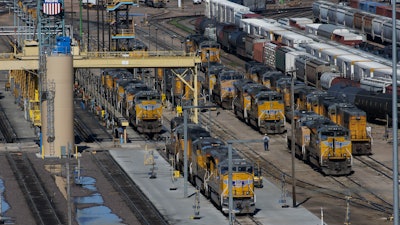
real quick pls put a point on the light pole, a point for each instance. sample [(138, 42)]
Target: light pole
[(149, 35), (230, 180), (172, 41), (394, 121), (292, 147), (182, 45), (156, 41)]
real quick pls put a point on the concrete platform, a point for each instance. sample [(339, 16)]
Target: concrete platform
[(18, 118), (179, 210)]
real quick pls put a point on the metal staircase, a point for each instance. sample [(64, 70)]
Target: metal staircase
[(51, 91)]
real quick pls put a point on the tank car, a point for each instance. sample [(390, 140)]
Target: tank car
[(322, 143)]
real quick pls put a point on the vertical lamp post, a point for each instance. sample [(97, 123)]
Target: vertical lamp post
[(149, 36), (172, 42), (292, 147), (394, 120), (156, 41), (182, 45)]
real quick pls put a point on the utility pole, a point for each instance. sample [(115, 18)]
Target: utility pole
[(347, 216), (394, 120), (292, 147)]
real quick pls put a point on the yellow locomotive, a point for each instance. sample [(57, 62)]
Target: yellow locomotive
[(259, 106), (208, 168), (210, 75), (346, 115), (134, 99), (224, 91), (322, 143), (146, 112), (208, 50)]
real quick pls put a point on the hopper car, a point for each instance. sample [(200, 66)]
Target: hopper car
[(208, 169)]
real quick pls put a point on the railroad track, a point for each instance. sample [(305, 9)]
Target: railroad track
[(376, 166), (136, 200), (87, 129), (246, 220), (42, 209), (361, 195), (7, 133), (367, 198)]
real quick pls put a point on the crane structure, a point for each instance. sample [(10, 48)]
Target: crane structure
[(41, 67)]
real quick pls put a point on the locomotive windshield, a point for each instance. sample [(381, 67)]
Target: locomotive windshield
[(231, 77), (149, 97), (248, 169), (338, 133)]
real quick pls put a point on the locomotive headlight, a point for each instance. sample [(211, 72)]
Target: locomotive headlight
[(247, 192)]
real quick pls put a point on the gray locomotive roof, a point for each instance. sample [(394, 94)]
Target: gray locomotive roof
[(347, 93), (194, 131), (207, 141), (349, 108)]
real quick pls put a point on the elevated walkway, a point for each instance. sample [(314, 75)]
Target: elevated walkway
[(134, 59), (116, 4)]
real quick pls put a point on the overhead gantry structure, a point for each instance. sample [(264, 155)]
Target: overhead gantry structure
[(41, 70)]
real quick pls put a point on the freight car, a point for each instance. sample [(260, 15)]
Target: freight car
[(322, 143), (260, 107), (208, 169), (377, 27)]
